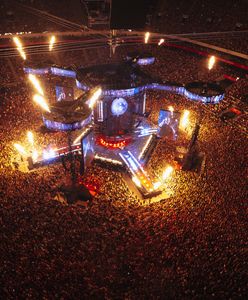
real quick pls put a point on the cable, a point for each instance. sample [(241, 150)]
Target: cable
[(49, 16), (67, 45)]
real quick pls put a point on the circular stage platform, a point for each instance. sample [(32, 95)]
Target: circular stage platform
[(67, 115), (116, 76)]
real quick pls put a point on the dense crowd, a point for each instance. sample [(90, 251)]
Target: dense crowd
[(189, 246), (205, 16)]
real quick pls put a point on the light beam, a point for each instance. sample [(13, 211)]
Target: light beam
[(35, 82), (42, 102), (19, 47), (20, 149), (51, 43), (184, 120), (211, 62), (94, 98), (147, 35), (161, 41)]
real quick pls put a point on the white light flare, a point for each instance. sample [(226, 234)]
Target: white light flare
[(51, 42), (157, 185), (42, 102), (145, 146), (147, 35), (167, 173), (48, 154), (35, 82), (35, 155), (161, 41), (20, 149), (136, 181), (184, 120), (94, 98), (171, 109), (19, 47), (211, 62), (30, 138)]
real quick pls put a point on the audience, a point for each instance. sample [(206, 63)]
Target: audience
[(191, 245)]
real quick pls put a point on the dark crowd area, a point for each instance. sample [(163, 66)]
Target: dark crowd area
[(171, 16), (192, 245), (200, 16)]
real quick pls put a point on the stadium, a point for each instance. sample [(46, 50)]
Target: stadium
[(123, 141)]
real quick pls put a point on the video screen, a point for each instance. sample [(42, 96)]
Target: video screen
[(64, 93), (168, 122), (88, 149)]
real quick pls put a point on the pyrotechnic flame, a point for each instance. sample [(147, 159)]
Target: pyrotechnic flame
[(20, 149), (95, 97), (156, 185), (167, 172), (147, 35), (19, 47), (30, 137), (171, 109), (42, 102), (35, 155), (51, 43), (36, 84), (161, 41), (211, 62), (184, 120)]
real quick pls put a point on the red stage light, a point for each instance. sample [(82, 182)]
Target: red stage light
[(235, 110), (111, 144)]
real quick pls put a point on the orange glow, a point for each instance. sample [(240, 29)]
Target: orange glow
[(147, 35), (161, 41), (19, 47), (51, 43), (211, 62), (171, 109), (184, 120)]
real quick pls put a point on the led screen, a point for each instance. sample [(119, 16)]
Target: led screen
[(64, 93), (88, 149), (168, 122)]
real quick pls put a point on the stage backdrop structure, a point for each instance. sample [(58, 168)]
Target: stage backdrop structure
[(115, 129)]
